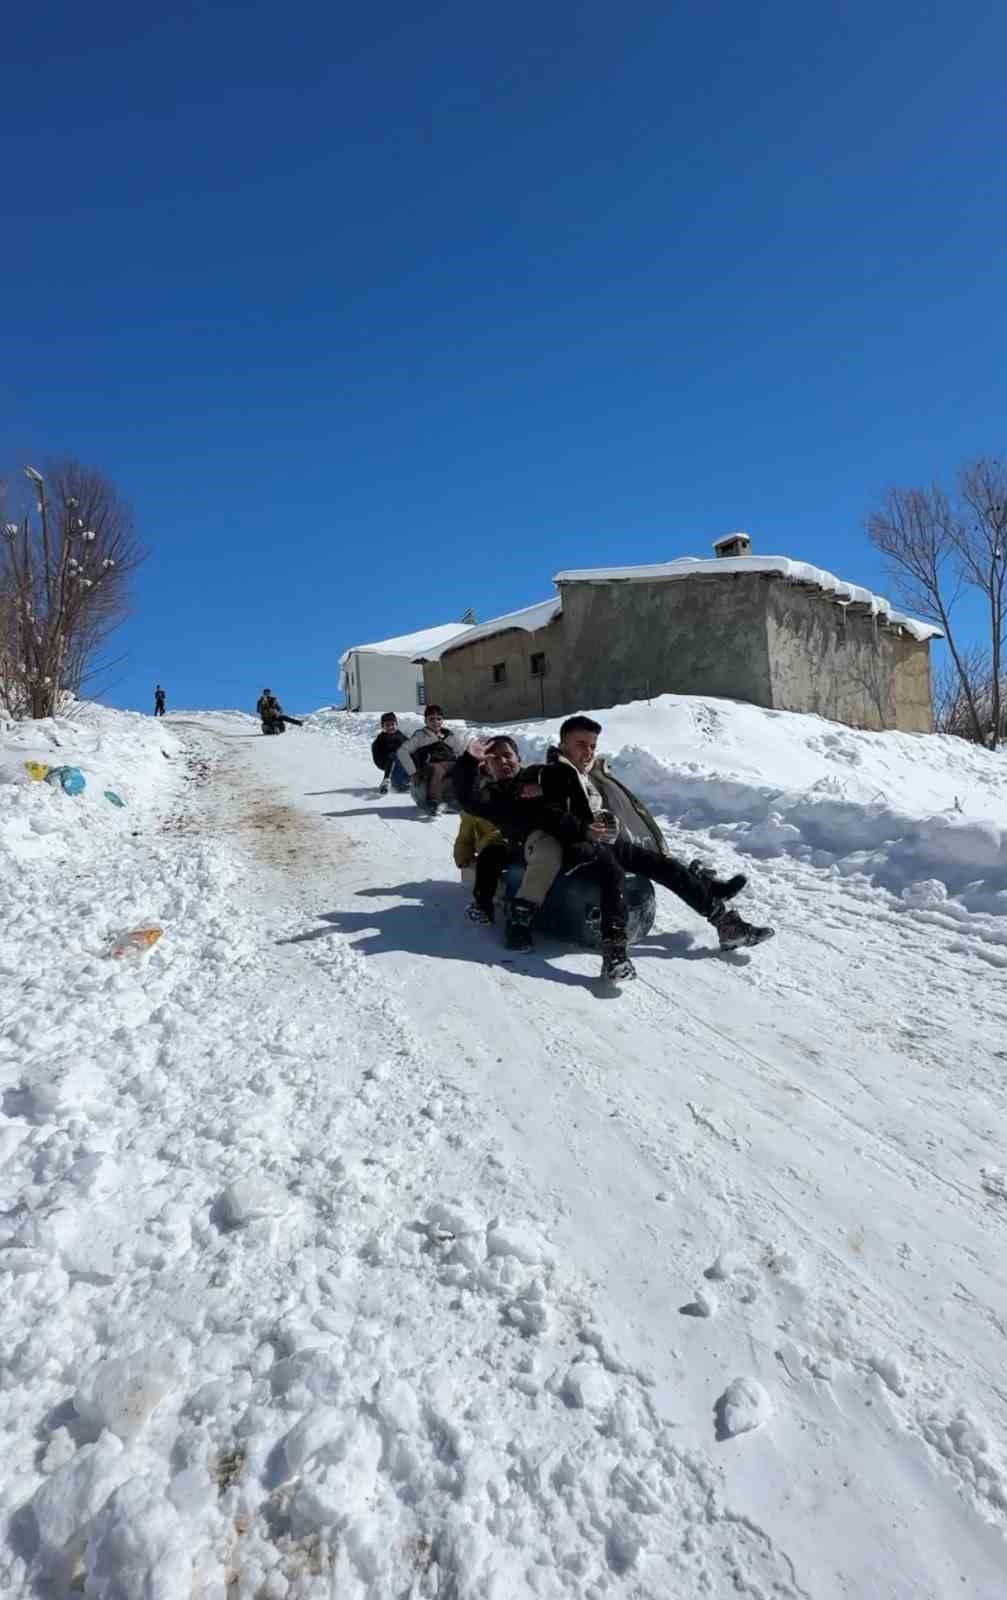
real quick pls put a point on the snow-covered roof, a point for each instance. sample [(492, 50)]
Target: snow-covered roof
[(408, 645), (530, 619), (795, 571)]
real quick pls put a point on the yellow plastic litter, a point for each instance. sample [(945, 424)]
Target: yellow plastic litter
[(136, 939), (36, 769)]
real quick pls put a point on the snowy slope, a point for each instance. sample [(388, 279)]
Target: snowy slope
[(342, 1257)]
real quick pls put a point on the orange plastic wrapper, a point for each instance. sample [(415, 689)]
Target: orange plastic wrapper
[(138, 939)]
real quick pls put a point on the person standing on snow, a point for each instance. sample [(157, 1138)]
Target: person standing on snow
[(384, 752), (428, 756), (158, 700)]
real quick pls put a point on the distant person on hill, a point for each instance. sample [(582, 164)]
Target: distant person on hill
[(384, 753), (267, 708), (428, 757), (271, 714), (158, 700)]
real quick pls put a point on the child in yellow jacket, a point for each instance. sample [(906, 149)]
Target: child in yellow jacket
[(474, 833)]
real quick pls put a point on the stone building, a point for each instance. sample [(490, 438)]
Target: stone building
[(768, 630)]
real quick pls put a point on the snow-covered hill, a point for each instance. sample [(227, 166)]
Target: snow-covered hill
[(341, 1256)]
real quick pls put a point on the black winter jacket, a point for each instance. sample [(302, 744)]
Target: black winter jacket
[(499, 803), (564, 798), (385, 748), (554, 811)]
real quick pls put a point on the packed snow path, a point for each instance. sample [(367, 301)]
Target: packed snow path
[(448, 1275)]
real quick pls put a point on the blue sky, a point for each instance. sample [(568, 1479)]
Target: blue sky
[(377, 313)]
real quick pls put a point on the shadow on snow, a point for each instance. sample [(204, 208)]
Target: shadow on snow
[(427, 920)]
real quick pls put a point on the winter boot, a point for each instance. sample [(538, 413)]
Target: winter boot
[(480, 912), (520, 916), (723, 888), (734, 932), (616, 966)]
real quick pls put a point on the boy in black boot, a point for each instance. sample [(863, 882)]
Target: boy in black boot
[(616, 966), (520, 916), (491, 863), (601, 821), (733, 931), (490, 782)]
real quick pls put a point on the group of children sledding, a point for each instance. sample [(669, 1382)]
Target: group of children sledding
[(566, 813)]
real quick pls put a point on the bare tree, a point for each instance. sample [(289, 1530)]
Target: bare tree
[(65, 564), (961, 693), (934, 549), (980, 538)]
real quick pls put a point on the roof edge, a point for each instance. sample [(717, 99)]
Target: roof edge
[(535, 616)]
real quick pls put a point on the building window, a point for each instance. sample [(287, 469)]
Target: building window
[(538, 664), (421, 693), (500, 672)]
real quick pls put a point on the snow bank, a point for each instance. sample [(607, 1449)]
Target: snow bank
[(125, 753)]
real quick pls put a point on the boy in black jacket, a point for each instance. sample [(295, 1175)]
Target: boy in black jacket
[(605, 824), (384, 751), (491, 783)]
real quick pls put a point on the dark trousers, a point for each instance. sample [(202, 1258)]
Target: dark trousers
[(159, 708), (611, 862), (491, 863)]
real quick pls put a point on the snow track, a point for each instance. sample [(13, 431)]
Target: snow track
[(345, 1257)]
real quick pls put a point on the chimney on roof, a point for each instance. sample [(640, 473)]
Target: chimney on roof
[(732, 545)]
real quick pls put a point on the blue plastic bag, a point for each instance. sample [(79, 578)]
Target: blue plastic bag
[(70, 779)]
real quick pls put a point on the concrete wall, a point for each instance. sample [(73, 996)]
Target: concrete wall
[(914, 699), (383, 683), (844, 665), (462, 681), (628, 641)]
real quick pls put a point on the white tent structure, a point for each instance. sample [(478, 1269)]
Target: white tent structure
[(384, 676)]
